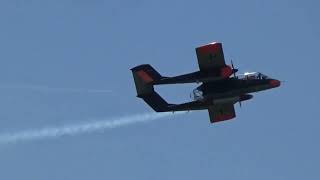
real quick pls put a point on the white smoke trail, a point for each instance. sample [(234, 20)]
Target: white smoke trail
[(74, 129), (52, 89)]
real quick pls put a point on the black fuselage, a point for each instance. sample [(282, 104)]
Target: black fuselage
[(231, 90), (233, 87)]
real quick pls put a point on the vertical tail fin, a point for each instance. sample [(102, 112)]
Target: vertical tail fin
[(144, 76), (147, 73)]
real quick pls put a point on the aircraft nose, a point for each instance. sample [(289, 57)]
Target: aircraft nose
[(275, 83)]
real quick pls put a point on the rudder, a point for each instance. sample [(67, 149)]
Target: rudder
[(145, 76), (143, 80)]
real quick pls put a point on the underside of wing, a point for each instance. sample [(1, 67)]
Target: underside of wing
[(221, 112), (210, 56), (211, 61)]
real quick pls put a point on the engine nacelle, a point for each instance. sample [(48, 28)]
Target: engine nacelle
[(232, 100), (246, 97), (226, 71), (226, 100)]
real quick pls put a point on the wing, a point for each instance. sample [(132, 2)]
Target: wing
[(210, 57), (221, 112)]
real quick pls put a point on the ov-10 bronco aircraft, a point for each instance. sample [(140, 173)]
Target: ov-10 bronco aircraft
[(220, 87)]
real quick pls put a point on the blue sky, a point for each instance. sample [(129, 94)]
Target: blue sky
[(93, 44)]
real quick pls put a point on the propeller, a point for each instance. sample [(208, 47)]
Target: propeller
[(234, 70)]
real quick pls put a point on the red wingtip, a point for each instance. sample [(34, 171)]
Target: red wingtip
[(223, 117), (210, 48)]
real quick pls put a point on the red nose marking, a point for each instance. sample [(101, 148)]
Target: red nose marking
[(274, 83), (226, 71)]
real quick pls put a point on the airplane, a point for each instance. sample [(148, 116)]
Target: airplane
[(220, 87)]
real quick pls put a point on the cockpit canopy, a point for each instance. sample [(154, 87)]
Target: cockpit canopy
[(253, 75)]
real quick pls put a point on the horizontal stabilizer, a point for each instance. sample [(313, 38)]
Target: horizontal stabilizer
[(156, 102)]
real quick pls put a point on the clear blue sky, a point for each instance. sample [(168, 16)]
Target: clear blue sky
[(93, 44)]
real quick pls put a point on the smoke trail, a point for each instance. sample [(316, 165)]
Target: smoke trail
[(74, 129), (53, 89)]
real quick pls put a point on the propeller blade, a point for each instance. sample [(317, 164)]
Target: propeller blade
[(232, 64), (234, 70)]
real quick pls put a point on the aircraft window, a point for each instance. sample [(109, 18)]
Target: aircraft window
[(264, 76), (254, 75)]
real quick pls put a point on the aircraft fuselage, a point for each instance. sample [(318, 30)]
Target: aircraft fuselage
[(235, 87)]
